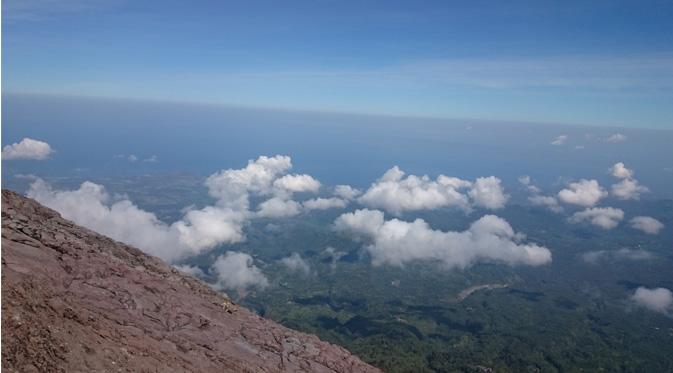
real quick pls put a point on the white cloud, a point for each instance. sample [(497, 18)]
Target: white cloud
[(647, 224), (549, 202), (295, 263), (604, 217), (277, 207), (27, 149), (92, 207), (151, 159), (235, 270), (527, 184), (620, 171), (396, 193), (132, 158), (232, 187), (204, 229), (346, 192), (628, 189), (190, 270), (334, 255), (658, 300), (624, 253), (397, 242), (538, 199), (487, 192), (297, 183), (583, 193), (559, 140), (616, 138), (324, 203), (198, 230)]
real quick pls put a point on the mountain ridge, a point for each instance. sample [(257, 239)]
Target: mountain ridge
[(75, 300)]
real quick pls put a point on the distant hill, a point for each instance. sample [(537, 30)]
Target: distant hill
[(76, 301)]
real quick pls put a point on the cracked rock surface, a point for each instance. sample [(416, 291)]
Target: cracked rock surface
[(76, 301)]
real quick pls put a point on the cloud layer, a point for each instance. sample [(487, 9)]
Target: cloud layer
[(27, 149), (397, 242)]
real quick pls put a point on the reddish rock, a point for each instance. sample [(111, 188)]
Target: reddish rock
[(77, 301)]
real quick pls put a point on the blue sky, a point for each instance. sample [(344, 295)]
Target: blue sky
[(584, 62)]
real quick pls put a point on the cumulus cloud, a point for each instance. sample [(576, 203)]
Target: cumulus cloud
[(527, 184), (616, 138), (537, 199), (295, 263), (559, 140), (233, 187), (27, 149), (620, 171), (629, 187), (297, 183), (190, 270), (324, 203), (236, 271), (624, 254), (151, 159), (346, 192), (487, 192), (204, 229), (546, 201), (604, 217), (334, 255), (92, 207), (277, 207), (583, 193), (397, 193), (199, 230), (397, 242), (657, 300), (647, 224)]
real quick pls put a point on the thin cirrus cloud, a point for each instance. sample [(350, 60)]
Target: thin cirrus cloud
[(616, 138), (397, 192), (28, 149), (396, 242), (594, 257), (559, 140)]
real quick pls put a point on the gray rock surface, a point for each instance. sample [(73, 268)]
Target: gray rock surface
[(77, 301)]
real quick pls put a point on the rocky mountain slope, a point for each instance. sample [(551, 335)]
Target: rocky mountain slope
[(76, 301)]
